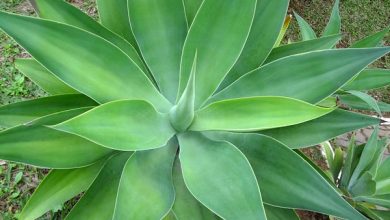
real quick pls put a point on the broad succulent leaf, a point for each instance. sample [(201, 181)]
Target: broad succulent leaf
[(372, 40), (26, 111), (191, 8), (321, 71), (302, 47), (277, 213), (127, 125), (171, 29), (319, 130), (115, 17), (89, 73), (258, 48), (364, 186), (90, 205), (369, 79), (207, 165), (306, 31), (334, 23), (278, 178), (146, 187), (34, 143), (58, 187), (221, 38), (42, 77), (244, 115)]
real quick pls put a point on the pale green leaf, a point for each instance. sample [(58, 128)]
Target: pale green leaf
[(160, 42), (220, 177), (369, 79), (99, 200), (276, 213), (350, 163), (186, 206), (191, 8), (42, 77), (381, 200), (266, 26), (285, 179), (146, 188), (372, 40), (310, 77), (255, 113), (367, 99), (322, 129), (306, 31), (334, 23), (302, 47), (356, 103), (218, 43), (338, 163), (364, 186), (58, 187), (36, 144), (26, 111), (81, 60), (127, 125)]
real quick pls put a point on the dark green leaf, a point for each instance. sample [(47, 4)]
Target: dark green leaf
[(369, 79), (191, 8)]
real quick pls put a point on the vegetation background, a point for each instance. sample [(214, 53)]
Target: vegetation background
[(360, 18)]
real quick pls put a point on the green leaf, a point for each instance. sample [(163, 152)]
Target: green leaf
[(97, 203), (369, 79), (218, 43), (381, 200), (58, 187), (283, 30), (90, 74), (322, 129), (367, 99), (146, 188), (372, 40), (349, 164), (266, 26), (310, 77), (207, 165), (116, 18), (334, 23), (42, 77), (329, 102), (191, 8), (36, 144), (186, 206), (382, 178), (26, 111), (276, 213), (356, 103), (63, 12), (162, 53), (255, 113), (364, 186), (382, 214), (306, 31), (302, 47), (285, 179), (127, 125)]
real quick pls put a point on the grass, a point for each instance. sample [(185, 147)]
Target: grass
[(17, 181)]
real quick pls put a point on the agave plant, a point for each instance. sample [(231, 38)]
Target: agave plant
[(362, 174), (178, 111)]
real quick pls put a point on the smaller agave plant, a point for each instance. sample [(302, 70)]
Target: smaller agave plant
[(362, 174), (165, 110)]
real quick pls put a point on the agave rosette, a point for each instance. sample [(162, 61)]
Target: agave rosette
[(182, 110)]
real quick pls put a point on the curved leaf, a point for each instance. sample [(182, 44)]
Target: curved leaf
[(282, 32), (334, 23), (97, 203), (26, 111), (356, 103), (127, 125), (90, 74), (372, 40), (186, 206), (303, 47), (115, 17), (218, 43), (146, 187), (207, 165), (264, 32), (162, 53), (36, 144), (285, 179), (63, 12), (275, 213), (369, 79), (367, 99), (310, 77), (191, 8), (42, 77), (255, 113), (58, 187), (306, 31), (321, 129)]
